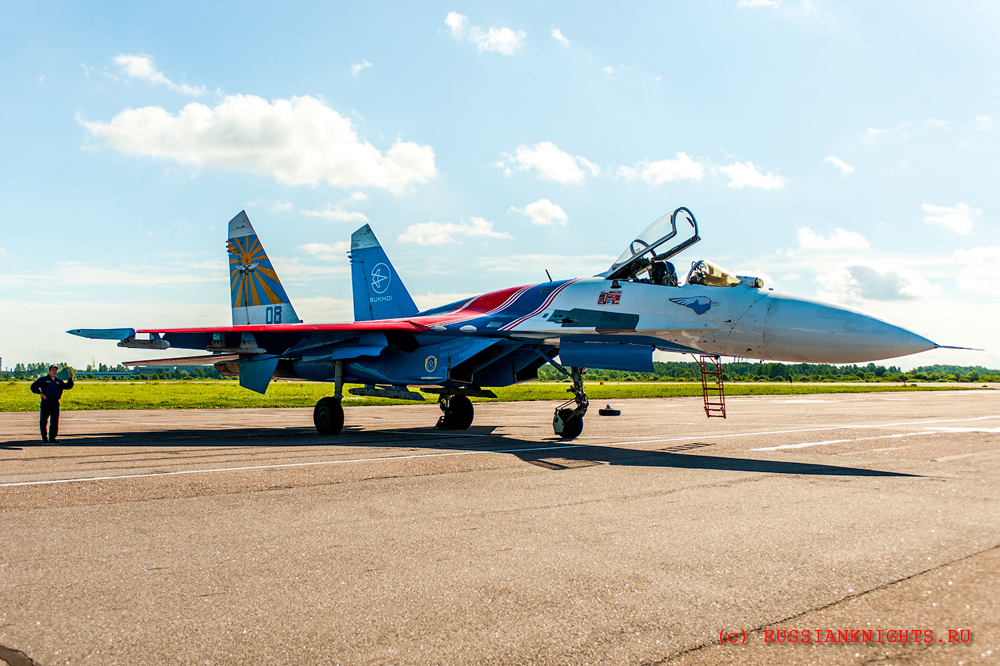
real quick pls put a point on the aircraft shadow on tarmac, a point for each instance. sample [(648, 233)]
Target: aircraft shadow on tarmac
[(550, 452)]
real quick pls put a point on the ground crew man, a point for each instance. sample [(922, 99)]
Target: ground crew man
[(51, 389)]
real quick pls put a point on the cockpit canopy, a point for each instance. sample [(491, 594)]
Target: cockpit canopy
[(645, 258), (651, 246), (708, 274)]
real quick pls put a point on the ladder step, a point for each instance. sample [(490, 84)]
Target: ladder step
[(712, 385)]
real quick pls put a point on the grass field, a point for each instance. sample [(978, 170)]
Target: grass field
[(16, 396)]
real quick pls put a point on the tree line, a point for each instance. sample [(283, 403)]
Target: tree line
[(673, 371), (25, 371), (744, 371)]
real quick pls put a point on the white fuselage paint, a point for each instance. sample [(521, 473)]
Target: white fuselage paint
[(735, 321)]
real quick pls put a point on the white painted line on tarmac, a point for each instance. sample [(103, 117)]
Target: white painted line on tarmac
[(965, 455), (280, 465), (840, 441), (798, 430)]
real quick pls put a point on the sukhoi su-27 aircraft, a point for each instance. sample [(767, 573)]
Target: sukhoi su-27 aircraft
[(614, 320)]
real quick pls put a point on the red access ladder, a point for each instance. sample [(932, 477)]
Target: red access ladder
[(712, 387)]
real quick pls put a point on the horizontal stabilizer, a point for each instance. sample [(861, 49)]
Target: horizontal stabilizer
[(104, 333), (184, 360)]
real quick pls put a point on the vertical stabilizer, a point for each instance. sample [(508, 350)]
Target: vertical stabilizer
[(378, 291), (257, 294)]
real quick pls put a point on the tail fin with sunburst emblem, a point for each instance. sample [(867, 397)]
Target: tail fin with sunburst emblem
[(257, 294)]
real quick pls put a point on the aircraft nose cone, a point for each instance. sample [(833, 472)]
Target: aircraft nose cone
[(798, 329)]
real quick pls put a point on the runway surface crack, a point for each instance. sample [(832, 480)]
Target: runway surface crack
[(15, 657), (832, 604)]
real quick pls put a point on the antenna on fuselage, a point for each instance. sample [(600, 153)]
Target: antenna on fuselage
[(547, 274)]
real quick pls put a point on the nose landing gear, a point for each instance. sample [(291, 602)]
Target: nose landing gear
[(568, 421)]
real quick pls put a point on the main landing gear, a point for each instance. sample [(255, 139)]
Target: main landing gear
[(328, 414), (568, 421), (458, 412)]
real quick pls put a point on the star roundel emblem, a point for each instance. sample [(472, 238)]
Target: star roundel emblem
[(430, 363), (381, 277)]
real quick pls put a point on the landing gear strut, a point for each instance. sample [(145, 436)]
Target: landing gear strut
[(328, 415), (458, 412), (568, 421)]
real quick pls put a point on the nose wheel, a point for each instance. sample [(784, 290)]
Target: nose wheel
[(568, 421)]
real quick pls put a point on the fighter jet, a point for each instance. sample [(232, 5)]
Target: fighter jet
[(614, 320)]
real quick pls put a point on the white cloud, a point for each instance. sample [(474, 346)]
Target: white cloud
[(550, 163), (858, 280), (558, 36), (984, 122), (4, 253), (432, 300), (358, 196), (561, 266), (903, 128), (656, 173), (290, 269), (745, 174), (615, 72), (297, 141), (757, 3), (337, 215), (323, 309), (844, 167), (543, 212), (140, 66), (457, 23), (957, 218), (499, 40), (358, 67), (898, 129), (979, 269), (439, 233), (106, 274), (282, 205), (329, 251), (838, 240)]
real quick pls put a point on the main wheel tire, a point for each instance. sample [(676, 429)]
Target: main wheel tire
[(572, 425), (460, 413), (328, 416)]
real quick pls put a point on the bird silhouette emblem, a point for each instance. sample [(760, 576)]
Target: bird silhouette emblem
[(700, 304), (381, 277)]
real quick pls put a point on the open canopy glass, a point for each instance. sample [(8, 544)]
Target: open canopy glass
[(648, 246)]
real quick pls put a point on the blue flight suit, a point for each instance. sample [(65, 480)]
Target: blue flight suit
[(52, 390)]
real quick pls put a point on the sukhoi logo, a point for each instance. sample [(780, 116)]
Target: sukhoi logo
[(381, 277)]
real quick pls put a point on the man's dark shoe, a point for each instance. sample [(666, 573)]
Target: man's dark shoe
[(45, 439), (52, 441)]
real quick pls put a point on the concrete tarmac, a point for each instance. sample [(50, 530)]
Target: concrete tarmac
[(657, 537)]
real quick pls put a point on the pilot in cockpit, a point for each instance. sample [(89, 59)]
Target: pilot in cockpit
[(663, 273)]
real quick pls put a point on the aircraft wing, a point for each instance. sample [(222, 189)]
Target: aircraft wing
[(211, 359)]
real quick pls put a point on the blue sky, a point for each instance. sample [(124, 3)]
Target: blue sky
[(845, 151)]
